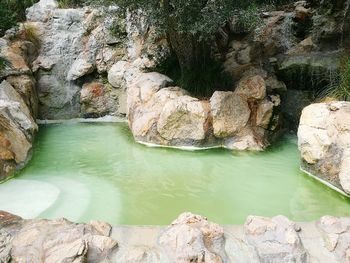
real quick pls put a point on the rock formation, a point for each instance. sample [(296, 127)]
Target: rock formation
[(190, 238), (324, 140), (77, 49), (19, 104)]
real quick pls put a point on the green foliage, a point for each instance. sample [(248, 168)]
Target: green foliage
[(13, 11), (201, 81), (7, 19), (31, 34), (342, 92), (70, 3), (339, 88), (2, 64)]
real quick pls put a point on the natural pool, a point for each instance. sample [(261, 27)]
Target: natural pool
[(85, 171)]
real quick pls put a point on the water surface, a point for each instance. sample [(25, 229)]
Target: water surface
[(85, 171)]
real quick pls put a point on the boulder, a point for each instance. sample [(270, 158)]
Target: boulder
[(185, 119), (116, 74), (324, 142), (230, 113), (25, 85), (98, 100), (144, 116), (275, 239), (79, 68), (192, 238), (252, 87), (54, 241), (264, 113), (17, 128), (336, 236)]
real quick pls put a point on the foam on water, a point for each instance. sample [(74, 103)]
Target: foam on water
[(27, 198)]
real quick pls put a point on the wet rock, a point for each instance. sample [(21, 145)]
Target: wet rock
[(324, 141), (230, 113), (293, 102), (79, 43), (336, 236), (275, 239), (192, 238)]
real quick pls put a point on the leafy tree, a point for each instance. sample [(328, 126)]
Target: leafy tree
[(190, 26)]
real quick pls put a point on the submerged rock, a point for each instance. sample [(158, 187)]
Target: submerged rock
[(324, 141)]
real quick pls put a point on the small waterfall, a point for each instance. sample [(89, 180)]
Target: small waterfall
[(343, 23), (287, 31)]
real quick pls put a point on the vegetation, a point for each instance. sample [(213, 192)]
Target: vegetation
[(190, 27), (70, 3), (31, 34), (13, 11), (339, 88), (342, 92), (2, 64)]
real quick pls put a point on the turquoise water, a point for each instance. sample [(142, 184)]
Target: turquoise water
[(85, 171)]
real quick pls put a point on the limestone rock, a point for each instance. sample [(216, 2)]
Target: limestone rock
[(26, 86), (116, 74), (17, 128), (144, 116), (275, 240), (184, 118), (336, 236), (264, 114), (324, 141), (230, 113), (252, 87), (98, 100), (249, 139), (54, 241), (79, 68), (192, 238)]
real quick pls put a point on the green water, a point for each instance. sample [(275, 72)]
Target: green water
[(96, 171)]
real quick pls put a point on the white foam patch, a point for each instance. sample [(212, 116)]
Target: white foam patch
[(27, 198), (74, 199)]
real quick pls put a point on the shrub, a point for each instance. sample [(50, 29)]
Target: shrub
[(13, 11), (31, 34), (339, 89), (70, 3), (2, 64)]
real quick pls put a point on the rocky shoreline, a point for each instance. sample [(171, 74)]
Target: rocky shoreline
[(190, 238)]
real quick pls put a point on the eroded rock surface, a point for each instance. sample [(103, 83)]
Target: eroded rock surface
[(275, 239), (54, 241), (164, 115), (324, 141), (336, 236), (192, 238)]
